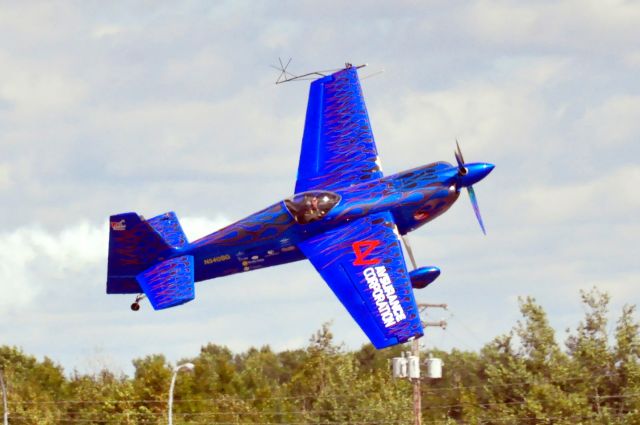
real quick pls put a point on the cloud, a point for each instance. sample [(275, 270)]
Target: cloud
[(498, 118), (197, 227), (5, 177), (614, 122), (613, 195), (175, 109), (581, 25), (53, 280), (487, 115), (632, 59), (101, 31), (31, 257), (15, 285), (33, 88)]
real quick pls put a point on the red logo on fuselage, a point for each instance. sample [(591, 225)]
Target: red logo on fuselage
[(119, 225), (362, 250)]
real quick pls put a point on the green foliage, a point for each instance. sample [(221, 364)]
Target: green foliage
[(32, 387), (100, 396), (522, 377)]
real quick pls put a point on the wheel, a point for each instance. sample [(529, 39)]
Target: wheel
[(135, 306)]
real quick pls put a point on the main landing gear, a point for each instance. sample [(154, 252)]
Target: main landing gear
[(136, 304)]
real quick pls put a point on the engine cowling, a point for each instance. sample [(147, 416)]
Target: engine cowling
[(423, 276)]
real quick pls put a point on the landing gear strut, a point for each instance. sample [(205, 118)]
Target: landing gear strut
[(407, 246), (136, 304)]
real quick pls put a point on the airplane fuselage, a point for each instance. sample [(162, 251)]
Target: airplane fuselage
[(270, 237), (345, 217)]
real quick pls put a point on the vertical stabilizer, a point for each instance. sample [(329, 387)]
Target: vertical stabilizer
[(134, 245)]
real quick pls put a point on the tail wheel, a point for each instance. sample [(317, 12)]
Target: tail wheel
[(136, 304)]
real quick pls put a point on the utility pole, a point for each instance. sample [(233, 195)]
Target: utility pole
[(413, 362), (4, 398), (415, 352), (417, 396)]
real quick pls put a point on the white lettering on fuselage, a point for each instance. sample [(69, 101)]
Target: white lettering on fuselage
[(384, 295)]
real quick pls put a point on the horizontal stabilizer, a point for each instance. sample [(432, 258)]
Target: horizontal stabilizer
[(169, 228), (169, 283)]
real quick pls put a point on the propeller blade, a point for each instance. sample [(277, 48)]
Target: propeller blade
[(476, 209), (460, 159), (459, 151)]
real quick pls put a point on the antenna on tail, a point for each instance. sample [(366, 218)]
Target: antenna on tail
[(286, 76)]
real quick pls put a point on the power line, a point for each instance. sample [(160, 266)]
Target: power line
[(314, 397), (386, 410), (155, 421), (485, 419), (530, 382), (514, 403), (277, 412)]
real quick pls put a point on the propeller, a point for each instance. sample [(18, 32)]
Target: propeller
[(462, 172), (476, 208)]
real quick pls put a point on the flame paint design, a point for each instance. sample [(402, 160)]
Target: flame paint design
[(169, 283), (265, 225), (134, 248), (332, 250), (168, 227), (346, 148)]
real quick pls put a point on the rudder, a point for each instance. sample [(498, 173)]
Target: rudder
[(134, 245)]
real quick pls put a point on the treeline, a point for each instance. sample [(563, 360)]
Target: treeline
[(523, 377)]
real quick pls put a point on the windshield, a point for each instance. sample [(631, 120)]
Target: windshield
[(307, 207)]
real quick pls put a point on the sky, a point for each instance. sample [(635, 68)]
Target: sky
[(109, 107)]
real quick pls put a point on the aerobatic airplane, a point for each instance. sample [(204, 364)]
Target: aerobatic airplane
[(345, 217)]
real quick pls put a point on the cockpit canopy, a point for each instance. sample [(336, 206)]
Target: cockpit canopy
[(307, 207)]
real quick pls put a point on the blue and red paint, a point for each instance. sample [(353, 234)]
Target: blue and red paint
[(350, 231)]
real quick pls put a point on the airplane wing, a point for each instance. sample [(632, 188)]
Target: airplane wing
[(337, 147), (363, 264)]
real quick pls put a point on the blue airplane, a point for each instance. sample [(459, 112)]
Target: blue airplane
[(345, 217)]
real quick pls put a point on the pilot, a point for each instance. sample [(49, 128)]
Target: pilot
[(312, 210)]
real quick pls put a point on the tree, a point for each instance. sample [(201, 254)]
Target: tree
[(33, 387), (626, 359), (92, 398), (150, 387), (592, 365), (527, 373), (523, 376)]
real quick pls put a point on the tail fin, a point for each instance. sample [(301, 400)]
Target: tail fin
[(136, 244)]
